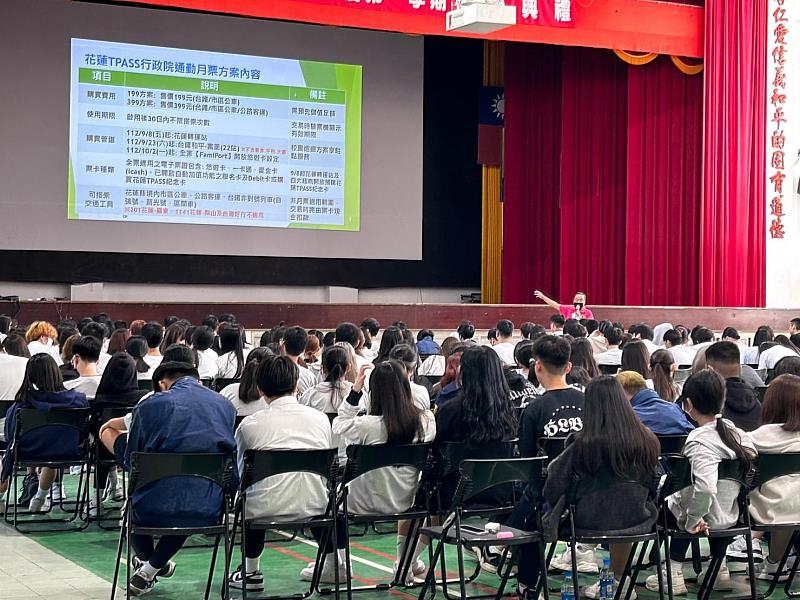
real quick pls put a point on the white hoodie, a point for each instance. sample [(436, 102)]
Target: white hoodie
[(778, 500)]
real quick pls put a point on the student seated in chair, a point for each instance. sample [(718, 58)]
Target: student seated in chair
[(42, 389), (283, 425), (85, 354), (183, 417)]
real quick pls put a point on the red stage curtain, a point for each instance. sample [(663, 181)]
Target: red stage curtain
[(733, 248), (593, 175), (531, 230), (621, 215), (665, 117)]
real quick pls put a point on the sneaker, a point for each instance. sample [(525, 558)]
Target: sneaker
[(723, 582), (139, 585), (57, 492), (768, 569), (253, 582), (678, 583), (490, 557), (593, 591), (38, 506), (737, 551), (417, 569), (585, 559), (29, 486), (167, 571), (328, 575)]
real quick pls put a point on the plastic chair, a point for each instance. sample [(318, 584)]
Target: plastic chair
[(260, 464), (362, 459), (681, 375), (148, 468), (478, 476), (73, 422), (679, 476), (770, 466), (146, 385), (606, 481), (609, 369), (220, 383), (671, 445)]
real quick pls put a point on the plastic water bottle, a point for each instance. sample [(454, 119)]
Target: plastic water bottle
[(568, 587), (607, 581)]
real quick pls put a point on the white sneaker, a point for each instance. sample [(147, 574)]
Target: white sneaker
[(738, 550), (593, 591), (767, 570), (678, 583), (328, 575), (38, 506), (723, 582), (585, 559), (94, 509), (417, 569)]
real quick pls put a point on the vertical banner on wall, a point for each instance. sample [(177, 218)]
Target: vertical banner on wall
[(783, 154)]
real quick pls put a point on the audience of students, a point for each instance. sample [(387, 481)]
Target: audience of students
[(378, 400)]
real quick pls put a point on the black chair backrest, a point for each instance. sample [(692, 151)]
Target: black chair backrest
[(238, 421), (480, 475), (753, 366), (761, 391), (770, 466), (434, 379), (112, 412), (146, 385), (29, 419), (260, 464), (206, 381), (671, 445), (609, 369), (551, 447), (149, 467), (679, 474), (363, 459), (220, 383), (450, 455), (770, 376)]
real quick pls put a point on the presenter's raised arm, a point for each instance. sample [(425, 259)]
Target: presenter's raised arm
[(549, 301)]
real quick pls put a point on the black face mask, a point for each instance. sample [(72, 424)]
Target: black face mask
[(578, 306)]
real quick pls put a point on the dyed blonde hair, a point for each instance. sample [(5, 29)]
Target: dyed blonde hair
[(39, 328)]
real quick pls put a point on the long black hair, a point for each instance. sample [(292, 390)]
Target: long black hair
[(248, 386), (612, 434), (335, 363), (706, 390), (41, 374), (392, 336), (636, 357), (763, 334), (661, 363), (390, 398), (119, 376), (582, 355), (230, 340), (489, 414)]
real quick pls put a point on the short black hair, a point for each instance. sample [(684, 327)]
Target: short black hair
[(94, 329), (5, 323), (295, 340), (505, 328), (153, 332), (725, 353), (553, 351), (120, 324), (277, 376), (329, 339), (170, 320), (730, 332), (348, 332), (491, 334), (591, 326), (643, 330), (795, 322), (702, 335), (466, 330), (210, 321), (371, 324), (574, 328), (557, 319), (673, 336), (423, 333), (203, 338), (613, 336), (88, 348)]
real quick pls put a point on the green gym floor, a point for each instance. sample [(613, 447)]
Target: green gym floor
[(373, 556)]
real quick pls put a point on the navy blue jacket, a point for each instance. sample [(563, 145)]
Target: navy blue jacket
[(659, 416), (187, 418), (45, 442)]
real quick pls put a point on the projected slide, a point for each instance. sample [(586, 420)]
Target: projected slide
[(164, 135)]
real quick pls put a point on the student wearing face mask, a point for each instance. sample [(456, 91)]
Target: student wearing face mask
[(576, 310)]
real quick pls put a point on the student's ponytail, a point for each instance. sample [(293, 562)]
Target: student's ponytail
[(335, 361), (706, 390)]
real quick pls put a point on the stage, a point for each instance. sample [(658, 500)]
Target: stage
[(416, 316)]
